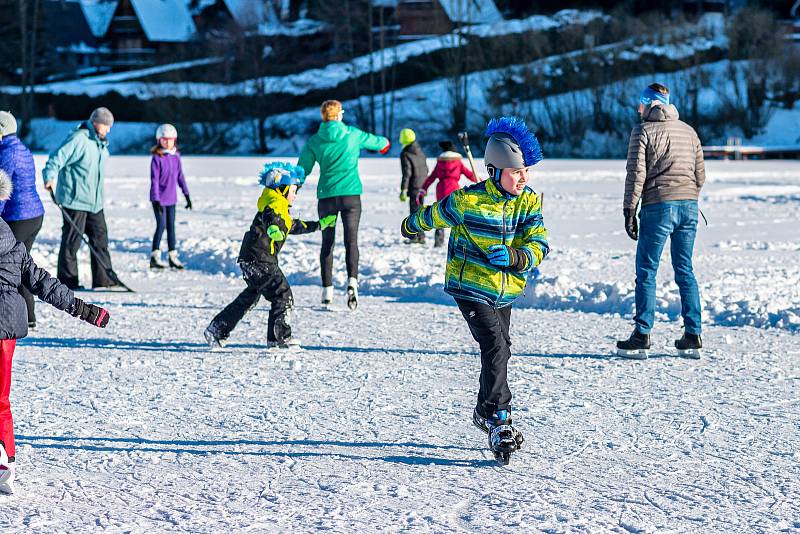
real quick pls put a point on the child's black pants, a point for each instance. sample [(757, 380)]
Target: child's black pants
[(489, 326)]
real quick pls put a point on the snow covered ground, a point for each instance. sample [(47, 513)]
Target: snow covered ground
[(139, 428)]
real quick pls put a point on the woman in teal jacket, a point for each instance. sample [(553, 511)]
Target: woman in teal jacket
[(337, 147), (76, 171)]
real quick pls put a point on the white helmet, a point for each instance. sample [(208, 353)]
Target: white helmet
[(166, 130)]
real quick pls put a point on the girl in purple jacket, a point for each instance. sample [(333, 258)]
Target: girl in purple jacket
[(166, 174)]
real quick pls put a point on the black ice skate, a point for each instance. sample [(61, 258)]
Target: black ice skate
[(689, 346), (502, 441), (636, 347), (479, 421), (213, 338)]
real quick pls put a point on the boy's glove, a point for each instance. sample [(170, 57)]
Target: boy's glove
[(631, 226), (505, 256), (421, 196), (403, 196), (90, 313), (275, 233), (327, 221), (188, 202), (157, 205), (408, 234), (499, 255), (386, 148)]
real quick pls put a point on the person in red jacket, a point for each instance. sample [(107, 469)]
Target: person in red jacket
[(448, 170)]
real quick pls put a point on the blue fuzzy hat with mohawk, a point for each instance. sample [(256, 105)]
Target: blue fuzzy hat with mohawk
[(280, 173), (511, 145)]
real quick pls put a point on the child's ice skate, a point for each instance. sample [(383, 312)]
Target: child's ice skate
[(213, 338), (155, 261), (352, 293), (636, 347), (502, 439), (480, 422), (689, 346), (7, 471), (174, 261)]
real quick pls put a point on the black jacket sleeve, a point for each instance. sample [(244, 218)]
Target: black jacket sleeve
[(407, 167), (40, 283), (304, 227)]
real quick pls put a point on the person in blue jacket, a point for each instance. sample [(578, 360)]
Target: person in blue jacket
[(76, 172), (23, 212)]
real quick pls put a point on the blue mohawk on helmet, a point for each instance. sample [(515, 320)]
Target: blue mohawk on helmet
[(516, 128), (281, 173)]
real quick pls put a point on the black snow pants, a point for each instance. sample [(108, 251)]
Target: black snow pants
[(94, 226), (263, 280), (489, 327), (26, 231), (349, 206)]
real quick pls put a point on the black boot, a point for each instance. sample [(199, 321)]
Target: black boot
[(689, 345), (635, 347)]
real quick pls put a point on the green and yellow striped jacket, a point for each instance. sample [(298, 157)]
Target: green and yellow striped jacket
[(480, 216)]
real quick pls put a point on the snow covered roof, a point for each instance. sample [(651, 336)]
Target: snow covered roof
[(471, 11), (98, 15), (165, 21), (248, 13)]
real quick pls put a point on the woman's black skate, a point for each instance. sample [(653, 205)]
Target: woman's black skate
[(503, 438)]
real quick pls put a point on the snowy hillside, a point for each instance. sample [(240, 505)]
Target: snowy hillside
[(367, 427)]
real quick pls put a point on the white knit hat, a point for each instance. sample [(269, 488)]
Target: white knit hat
[(6, 187), (8, 124), (166, 130)]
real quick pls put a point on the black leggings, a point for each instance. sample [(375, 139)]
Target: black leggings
[(25, 232), (350, 209), (165, 216)]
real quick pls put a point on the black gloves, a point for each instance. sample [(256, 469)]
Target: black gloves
[(188, 202), (408, 234), (94, 315), (157, 205), (631, 225)]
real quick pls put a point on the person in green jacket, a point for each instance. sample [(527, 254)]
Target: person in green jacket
[(336, 147), (498, 237), (76, 171)]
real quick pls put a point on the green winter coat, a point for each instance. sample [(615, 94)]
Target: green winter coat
[(336, 147), (79, 166)]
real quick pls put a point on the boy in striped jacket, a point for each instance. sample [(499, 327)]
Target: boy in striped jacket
[(497, 238)]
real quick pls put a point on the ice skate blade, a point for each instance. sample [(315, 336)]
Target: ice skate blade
[(637, 354), (503, 458), (692, 354), (7, 481), (352, 301)]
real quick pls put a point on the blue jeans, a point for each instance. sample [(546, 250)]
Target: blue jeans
[(676, 220)]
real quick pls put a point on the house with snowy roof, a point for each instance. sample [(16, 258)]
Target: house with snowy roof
[(140, 30), (419, 18), (75, 30)]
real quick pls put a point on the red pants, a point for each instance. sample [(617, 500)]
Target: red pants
[(6, 420)]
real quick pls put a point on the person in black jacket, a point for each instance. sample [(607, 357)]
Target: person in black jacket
[(415, 170), (258, 258), (17, 269)]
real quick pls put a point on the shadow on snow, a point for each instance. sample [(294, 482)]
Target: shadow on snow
[(73, 443)]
